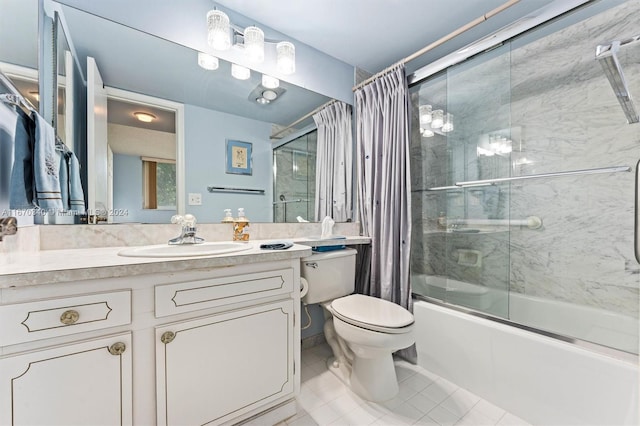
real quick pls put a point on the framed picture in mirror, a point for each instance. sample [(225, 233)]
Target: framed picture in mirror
[(238, 158)]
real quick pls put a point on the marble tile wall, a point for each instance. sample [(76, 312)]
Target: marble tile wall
[(567, 118)]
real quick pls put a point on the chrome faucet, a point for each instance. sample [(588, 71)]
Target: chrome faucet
[(188, 234), (8, 226)]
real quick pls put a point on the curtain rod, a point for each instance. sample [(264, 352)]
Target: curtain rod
[(438, 42), (301, 119)]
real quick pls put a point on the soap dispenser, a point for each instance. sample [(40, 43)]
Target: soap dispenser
[(228, 217), (241, 227)]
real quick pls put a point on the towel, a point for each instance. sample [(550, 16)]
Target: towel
[(76, 194), (276, 245), (21, 188), (45, 166)]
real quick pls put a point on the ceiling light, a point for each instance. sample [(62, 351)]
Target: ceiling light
[(286, 57), (208, 62), (269, 95), (240, 72), (145, 117), (254, 44), (270, 82), (262, 100), (219, 35)]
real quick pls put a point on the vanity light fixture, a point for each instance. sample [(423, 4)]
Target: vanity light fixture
[(208, 62), (240, 72), (145, 117), (270, 82), (222, 34)]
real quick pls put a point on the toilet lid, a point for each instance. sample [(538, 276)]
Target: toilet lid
[(371, 311)]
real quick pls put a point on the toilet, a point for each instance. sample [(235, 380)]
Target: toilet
[(363, 331)]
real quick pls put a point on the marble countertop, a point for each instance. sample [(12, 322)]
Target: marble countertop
[(21, 269)]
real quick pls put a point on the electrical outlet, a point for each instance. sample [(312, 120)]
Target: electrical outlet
[(195, 199)]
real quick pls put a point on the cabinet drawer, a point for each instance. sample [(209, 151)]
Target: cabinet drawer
[(43, 319), (189, 296)]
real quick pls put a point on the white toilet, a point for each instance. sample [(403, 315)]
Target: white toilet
[(363, 331)]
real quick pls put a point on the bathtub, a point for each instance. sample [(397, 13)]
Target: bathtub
[(566, 319), (543, 380)]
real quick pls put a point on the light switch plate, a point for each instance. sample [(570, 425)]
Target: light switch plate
[(195, 199)]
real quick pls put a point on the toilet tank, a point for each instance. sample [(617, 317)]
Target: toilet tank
[(330, 275)]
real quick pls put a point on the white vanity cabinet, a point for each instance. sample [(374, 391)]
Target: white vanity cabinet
[(202, 343), (53, 374)]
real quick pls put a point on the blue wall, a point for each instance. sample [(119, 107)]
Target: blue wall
[(127, 193), (206, 132)]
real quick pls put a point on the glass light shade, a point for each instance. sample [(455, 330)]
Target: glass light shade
[(286, 57), (427, 133), (269, 95), (219, 36), (145, 117), (447, 126), (240, 72), (270, 82), (425, 114), (208, 62), (254, 44), (437, 118)]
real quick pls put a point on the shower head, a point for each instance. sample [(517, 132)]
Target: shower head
[(606, 55)]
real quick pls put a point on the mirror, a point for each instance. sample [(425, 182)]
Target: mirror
[(217, 108)]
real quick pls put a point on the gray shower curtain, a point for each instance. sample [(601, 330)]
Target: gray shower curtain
[(334, 163), (384, 190)]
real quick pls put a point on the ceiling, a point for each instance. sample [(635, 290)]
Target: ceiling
[(367, 34), (374, 34)]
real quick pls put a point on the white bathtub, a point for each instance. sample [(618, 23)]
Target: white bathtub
[(582, 322), (543, 380)]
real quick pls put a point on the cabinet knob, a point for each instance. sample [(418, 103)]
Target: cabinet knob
[(167, 337), (117, 348), (69, 317)]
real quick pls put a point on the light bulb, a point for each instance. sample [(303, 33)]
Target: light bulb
[(208, 62), (270, 82), (240, 72)]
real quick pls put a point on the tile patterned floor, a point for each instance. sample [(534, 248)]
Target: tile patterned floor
[(424, 399)]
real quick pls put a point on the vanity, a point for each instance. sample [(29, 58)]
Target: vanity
[(91, 337)]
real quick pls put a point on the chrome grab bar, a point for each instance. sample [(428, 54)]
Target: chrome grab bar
[(487, 182)]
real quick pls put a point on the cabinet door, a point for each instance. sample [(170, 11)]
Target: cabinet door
[(87, 383), (217, 368)]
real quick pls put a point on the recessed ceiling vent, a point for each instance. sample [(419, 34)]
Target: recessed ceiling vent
[(264, 95)]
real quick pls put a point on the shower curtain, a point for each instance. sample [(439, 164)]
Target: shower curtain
[(384, 195), (334, 168)]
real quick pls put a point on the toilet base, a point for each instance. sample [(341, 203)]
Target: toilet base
[(374, 380)]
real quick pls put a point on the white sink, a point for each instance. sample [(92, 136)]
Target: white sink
[(185, 250)]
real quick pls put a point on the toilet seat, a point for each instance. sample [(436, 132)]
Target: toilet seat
[(372, 313)]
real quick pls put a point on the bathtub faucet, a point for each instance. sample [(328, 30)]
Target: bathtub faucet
[(188, 233)]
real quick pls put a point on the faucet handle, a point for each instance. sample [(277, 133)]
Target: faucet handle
[(189, 220)]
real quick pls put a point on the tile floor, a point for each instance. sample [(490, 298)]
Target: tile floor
[(424, 399)]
